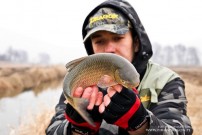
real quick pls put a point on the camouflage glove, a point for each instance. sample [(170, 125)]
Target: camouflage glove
[(125, 110), (79, 125)]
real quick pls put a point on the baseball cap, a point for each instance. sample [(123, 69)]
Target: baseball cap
[(107, 19)]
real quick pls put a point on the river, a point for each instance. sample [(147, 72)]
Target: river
[(17, 109)]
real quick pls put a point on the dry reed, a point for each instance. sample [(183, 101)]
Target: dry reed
[(35, 125), (194, 108), (14, 81)]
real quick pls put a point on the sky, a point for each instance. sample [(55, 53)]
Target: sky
[(55, 26)]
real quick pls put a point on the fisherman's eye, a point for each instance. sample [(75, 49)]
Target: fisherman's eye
[(117, 38), (100, 42)]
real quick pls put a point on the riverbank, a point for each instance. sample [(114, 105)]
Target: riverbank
[(15, 79)]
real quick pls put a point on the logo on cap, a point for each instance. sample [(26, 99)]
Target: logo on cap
[(107, 19), (102, 17)]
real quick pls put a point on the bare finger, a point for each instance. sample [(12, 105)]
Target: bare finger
[(111, 91), (93, 98), (99, 98), (102, 108), (78, 92), (118, 88), (87, 93), (107, 100), (105, 103)]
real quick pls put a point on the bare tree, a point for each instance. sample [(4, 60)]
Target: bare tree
[(192, 57)]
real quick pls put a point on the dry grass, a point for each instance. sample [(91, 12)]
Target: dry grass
[(194, 96), (14, 80), (38, 124), (193, 86)]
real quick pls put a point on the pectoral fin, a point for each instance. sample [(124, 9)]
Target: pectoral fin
[(70, 65), (106, 81)]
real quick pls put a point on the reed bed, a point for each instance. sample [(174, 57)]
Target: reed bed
[(35, 125), (16, 80)]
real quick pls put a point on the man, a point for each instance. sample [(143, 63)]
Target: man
[(158, 106)]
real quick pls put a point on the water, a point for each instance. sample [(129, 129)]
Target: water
[(15, 109)]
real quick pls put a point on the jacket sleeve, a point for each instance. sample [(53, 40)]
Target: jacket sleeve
[(169, 115), (59, 125)]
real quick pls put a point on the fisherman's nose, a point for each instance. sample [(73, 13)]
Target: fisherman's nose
[(110, 47)]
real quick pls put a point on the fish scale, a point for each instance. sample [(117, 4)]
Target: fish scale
[(87, 72)]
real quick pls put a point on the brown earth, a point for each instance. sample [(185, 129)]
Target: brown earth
[(193, 84), (193, 87)]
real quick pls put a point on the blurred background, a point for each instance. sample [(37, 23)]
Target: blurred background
[(38, 37), (49, 31)]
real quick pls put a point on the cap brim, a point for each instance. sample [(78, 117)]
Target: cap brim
[(121, 30)]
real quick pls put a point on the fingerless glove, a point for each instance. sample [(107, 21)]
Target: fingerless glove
[(125, 110)]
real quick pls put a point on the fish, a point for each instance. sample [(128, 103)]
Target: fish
[(101, 69)]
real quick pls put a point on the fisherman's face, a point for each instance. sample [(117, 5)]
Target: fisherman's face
[(108, 42)]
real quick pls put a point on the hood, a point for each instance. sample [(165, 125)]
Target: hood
[(145, 51)]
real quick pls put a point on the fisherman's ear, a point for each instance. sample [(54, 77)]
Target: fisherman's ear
[(136, 44)]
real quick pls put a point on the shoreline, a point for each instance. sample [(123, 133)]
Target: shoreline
[(16, 79)]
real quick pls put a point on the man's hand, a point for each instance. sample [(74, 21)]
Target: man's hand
[(91, 93), (123, 108), (95, 99)]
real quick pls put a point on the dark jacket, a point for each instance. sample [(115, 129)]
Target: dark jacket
[(168, 116)]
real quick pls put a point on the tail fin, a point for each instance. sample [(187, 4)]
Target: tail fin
[(80, 105)]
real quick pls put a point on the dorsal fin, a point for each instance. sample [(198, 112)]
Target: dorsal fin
[(70, 65)]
